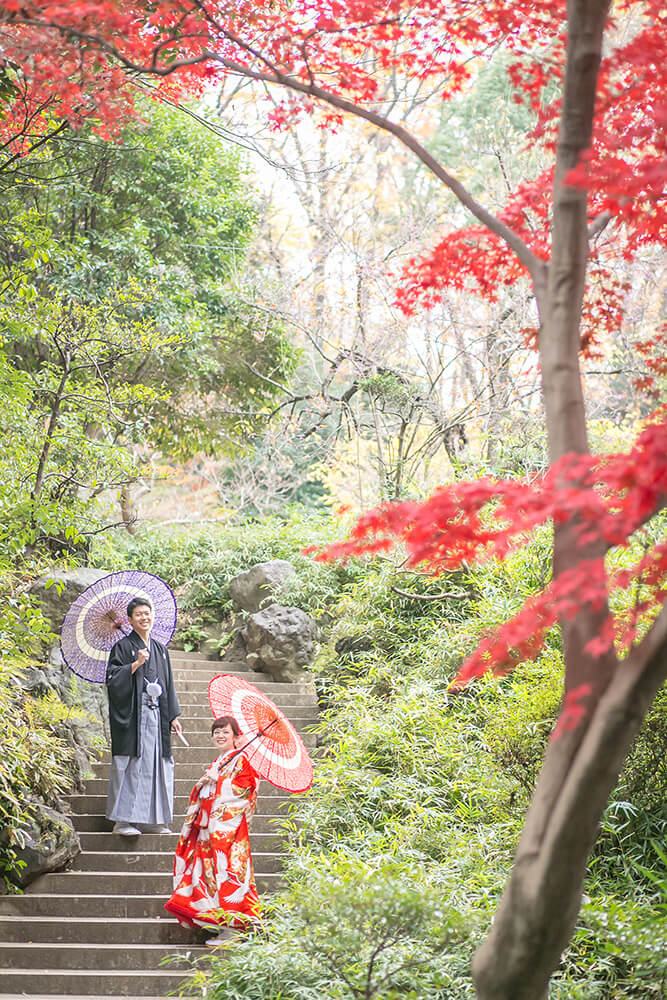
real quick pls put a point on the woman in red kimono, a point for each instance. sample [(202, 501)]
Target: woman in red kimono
[(214, 881)]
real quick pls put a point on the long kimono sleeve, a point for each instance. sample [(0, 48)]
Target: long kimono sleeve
[(244, 784), (120, 683), (174, 709), (198, 812)]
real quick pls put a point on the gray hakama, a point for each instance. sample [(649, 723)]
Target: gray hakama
[(141, 783), (141, 789)]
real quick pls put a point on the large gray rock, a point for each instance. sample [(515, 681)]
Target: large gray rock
[(78, 693), (260, 585), (49, 843), (34, 681), (56, 590), (281, 641)]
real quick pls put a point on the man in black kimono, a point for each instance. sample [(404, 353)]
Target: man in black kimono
[(143, 711)]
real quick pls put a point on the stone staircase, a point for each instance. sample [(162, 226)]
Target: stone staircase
[(100, 929)]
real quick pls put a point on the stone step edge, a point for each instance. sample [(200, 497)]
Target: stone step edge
[(36, 919), (259, 815), (167, 854), (177, 974), (159, 897), (76, 946), (137, 875), (185, 673)]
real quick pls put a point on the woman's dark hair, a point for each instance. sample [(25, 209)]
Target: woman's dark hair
[(137, 602), (226, 720)]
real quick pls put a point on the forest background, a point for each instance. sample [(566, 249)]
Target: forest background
[(204, 364)]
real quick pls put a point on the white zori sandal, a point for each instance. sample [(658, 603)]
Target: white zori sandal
[(126, 830), (215, 942)]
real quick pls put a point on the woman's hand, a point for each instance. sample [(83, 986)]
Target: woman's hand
[(210, 775)]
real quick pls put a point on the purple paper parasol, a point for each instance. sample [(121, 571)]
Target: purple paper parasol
[(97, 619)]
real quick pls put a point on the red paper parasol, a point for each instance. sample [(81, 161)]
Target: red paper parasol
[(269, 740), (97, 619)]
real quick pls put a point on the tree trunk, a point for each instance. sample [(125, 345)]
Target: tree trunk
[(540, 904), (541, 901)]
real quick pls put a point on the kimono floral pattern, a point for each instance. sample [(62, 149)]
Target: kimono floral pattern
[(214, 879)]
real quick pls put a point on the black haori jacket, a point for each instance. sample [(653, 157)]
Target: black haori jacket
[(125, 691)]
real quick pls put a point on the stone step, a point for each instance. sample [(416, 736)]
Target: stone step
[(183, 670), (217, 668), (97, 930), (191, 771), (238, 668), (91, 804), (201, 753), (201, 710), (16, 955), (56, 996), (287, 702), (182, 786), (202, 678), (158, 842), (125, 862), (122, 883), (84, 906), (201, 717), (263, 822), (198, 686), (99, 983), (199, 682), (197, 732), (195, 660)]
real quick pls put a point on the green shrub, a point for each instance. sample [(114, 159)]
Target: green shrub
[(619, 951), (351, 931), (34, 759), (199, 562), (520, 712), (644, 777)]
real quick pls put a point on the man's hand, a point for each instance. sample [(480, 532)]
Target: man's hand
[(176, 726), (142, 656)]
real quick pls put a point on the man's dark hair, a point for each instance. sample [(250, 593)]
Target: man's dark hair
[(137, 602), (226, 720)]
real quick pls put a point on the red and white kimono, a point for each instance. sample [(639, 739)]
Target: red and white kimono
[(214, 880)]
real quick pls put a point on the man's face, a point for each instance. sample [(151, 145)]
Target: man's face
[(142, 617)]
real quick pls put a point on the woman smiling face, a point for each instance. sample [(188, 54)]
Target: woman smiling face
[(224, 738)]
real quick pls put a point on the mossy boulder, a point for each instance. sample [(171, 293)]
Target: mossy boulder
[(49, 843)]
